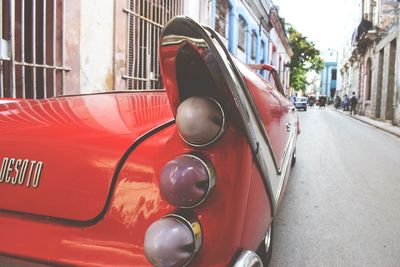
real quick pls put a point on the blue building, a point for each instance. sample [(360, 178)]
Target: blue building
[(329, 73), (246, 33), (251, 30)]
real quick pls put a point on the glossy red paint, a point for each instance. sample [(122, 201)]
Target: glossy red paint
[(223, 211), (275, 110), (117, 239), (79, 144), (258, 213)]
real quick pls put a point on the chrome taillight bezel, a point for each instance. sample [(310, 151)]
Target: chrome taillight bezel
[(155, 240), (194, 225)]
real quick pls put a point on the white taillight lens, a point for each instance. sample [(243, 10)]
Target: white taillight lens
[(200, 120), (172, 241)]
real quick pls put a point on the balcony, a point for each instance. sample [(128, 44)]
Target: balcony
[(365, 35)]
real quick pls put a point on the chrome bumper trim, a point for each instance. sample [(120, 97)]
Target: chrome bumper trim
[(248, 258)]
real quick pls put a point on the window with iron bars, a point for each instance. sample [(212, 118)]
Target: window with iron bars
[(242, 34), (221, 17), (31, 58), (146, 19)]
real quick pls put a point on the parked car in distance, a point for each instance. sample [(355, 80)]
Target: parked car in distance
[(187, 176), (301, 103)]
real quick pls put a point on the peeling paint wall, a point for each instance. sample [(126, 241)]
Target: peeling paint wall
[(389, 14), (72, 42), (96, 46)]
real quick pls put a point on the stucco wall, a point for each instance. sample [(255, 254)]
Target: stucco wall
[(96, 46), (95, 49), (190, 11), (71, 50)]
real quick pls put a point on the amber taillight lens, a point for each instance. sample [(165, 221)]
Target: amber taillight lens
[(200, 120), (187, 180)]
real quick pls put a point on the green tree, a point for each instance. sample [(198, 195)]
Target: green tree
[(306, 58)]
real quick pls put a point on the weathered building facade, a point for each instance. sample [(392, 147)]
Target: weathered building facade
[(57, 47), (371, 66)]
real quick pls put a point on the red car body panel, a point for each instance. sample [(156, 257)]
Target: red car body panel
[(117, 238), (273, 109), (257, 215), (80, 144), (102, 155)]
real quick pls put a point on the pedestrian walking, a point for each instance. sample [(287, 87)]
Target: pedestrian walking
[(337, 102), (353, 104), (346, 103)]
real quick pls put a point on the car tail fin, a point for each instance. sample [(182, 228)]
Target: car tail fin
[(195, 63)]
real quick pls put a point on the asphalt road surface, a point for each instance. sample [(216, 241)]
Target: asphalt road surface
[(342, 203)]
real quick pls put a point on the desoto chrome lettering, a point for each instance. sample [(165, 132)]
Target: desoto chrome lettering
[(21, 172)]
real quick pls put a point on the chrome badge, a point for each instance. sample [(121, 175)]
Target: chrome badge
[(21, 172)]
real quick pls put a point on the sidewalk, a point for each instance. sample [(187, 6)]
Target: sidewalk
[(387, 127)]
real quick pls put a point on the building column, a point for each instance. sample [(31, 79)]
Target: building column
[(396, 99), (232, 35), (388, 81)]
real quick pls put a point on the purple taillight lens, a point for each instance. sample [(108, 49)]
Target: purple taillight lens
[(172, 241), (200, 120), (187, 180)]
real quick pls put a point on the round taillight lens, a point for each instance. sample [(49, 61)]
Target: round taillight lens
[(187, 180), (200, 120), (172, 241)]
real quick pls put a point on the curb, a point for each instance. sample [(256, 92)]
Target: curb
[(369, 123)]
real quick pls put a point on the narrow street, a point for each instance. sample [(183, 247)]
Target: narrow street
[(342, 203)]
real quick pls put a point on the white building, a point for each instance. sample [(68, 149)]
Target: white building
[(372, 62)]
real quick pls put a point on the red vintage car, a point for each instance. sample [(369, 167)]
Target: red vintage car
[(192, 175)]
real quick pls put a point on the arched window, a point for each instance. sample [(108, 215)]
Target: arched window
[(262, 57), (262, 51), (253, 45), (242, 34), (222, 17), (369, 80)]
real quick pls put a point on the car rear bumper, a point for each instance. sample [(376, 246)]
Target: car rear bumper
[(301, 106)]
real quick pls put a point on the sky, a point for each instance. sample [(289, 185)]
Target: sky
[(319, 20)]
